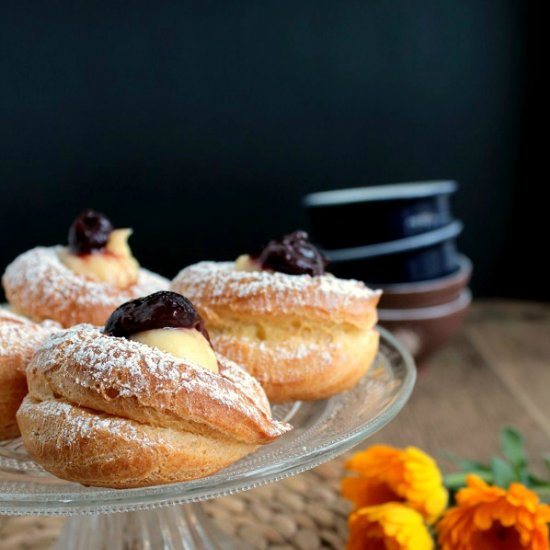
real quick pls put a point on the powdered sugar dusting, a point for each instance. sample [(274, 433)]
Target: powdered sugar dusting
[(117, 366), (303, 290), (249, 385), (77, 424), (20, 337), (40, 270), (316, 356)]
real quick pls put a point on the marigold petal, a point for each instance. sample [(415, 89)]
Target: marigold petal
[(395, 525), (409, 476), (544, 513), (480, 507), (483, 518), (361, 461), (367, 492), (475, 482), (509, 516)]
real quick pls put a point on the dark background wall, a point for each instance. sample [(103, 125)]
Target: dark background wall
[(202, 124)]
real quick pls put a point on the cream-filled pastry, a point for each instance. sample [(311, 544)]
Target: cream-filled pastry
[(114, 265), (82, 282), (19, 339), (303, 333), (105, 408)]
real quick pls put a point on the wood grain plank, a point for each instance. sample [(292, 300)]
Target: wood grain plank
[(514, 341), (460, 404)]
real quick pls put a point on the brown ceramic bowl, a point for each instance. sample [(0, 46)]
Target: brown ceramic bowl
[(432, 292), (425, 330)]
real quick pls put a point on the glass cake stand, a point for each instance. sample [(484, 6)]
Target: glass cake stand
[(151, 521)]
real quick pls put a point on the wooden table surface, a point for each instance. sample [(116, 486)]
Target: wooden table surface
[(495, 372)]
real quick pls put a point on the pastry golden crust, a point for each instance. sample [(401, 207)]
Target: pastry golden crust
[(257, 294), (40, 286), (110, 412), (291, 370), (19, 338), (122, 453), (302, 337)]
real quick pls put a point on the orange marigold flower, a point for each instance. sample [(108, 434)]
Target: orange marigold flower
[(387, 474), (389, 526), (488, 517)]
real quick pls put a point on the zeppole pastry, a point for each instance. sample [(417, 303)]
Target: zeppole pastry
[(303, 333), (19, 338), (82, 282), (144, 401)]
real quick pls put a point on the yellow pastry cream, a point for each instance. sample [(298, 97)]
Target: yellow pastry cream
[(114, 264), (166, 321), (246, 263), (186, 343)]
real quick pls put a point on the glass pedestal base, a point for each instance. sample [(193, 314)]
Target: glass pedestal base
[(184, 527)]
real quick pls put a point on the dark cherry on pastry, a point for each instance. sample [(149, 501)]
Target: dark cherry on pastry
[(162, 309), (166, 321), (98, 251), (82, 282), (293, 254), (89, 232)]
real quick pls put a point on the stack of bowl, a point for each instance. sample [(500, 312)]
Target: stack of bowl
[(400, 238)]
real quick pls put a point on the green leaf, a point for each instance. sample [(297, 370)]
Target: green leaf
[(511, 443), (522, 475), (457, 480), (467, 465), (503, 473), (547, 462), (472, 466), (536, 482)]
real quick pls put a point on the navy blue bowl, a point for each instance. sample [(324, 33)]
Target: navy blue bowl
[(366, 215), (418, 258)]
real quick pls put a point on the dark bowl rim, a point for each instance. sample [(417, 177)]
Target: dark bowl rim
[(422, 240), (464, 270), (375, 193), (430, 312)]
